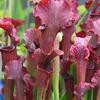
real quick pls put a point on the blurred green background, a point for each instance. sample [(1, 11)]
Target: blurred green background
[(20, 9)]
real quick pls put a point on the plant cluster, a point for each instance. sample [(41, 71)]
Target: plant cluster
[(54, 47)]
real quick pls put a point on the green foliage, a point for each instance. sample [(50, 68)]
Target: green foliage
[(81, 9), (21, 50), (22, 11), (64, 97)]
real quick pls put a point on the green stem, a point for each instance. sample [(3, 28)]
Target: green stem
[(41, 92), (5, 8), (10, 8), (95, 91), (56, 66), (56, 78), (27, 20)]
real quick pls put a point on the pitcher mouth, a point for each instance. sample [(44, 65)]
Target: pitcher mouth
[(7, 48), (49, 70)]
